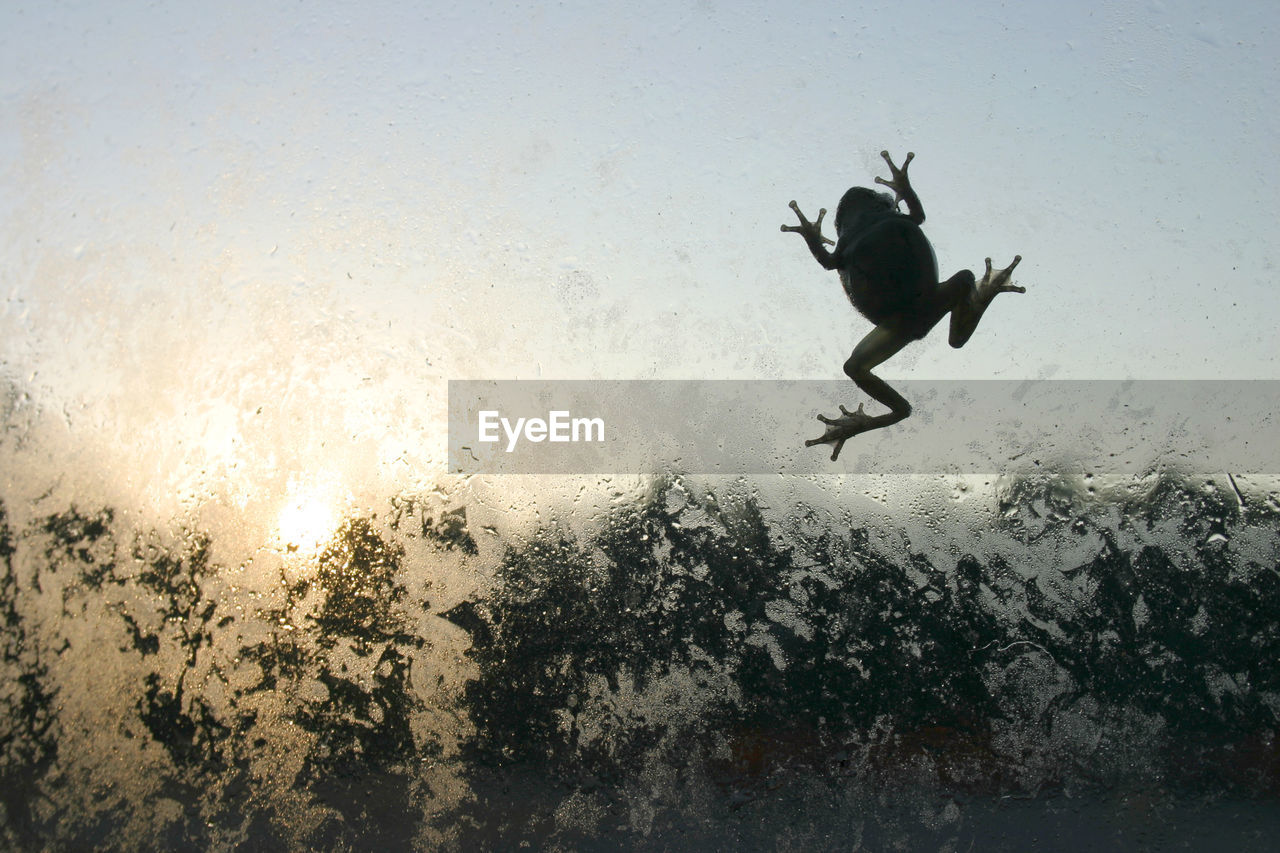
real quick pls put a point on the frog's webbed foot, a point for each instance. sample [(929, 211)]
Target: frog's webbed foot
[(845, 427), (969, 309), (898, 180), (986, 290), (810, 231)]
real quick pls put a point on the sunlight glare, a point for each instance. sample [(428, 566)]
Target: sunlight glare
[(308, 518)]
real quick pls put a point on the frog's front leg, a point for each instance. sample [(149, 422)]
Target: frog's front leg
[(812, 234), (898, 180)]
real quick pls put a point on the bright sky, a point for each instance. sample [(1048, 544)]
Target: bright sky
[(270, 226)]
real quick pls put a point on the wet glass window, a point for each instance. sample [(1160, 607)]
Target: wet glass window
[(272, 575)]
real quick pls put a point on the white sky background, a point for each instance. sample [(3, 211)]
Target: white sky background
[(272, 228)]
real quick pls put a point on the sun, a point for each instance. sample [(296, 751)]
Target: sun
[(308, 517)]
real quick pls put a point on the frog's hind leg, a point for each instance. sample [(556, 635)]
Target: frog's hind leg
[(878, 346), (969, 299)]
